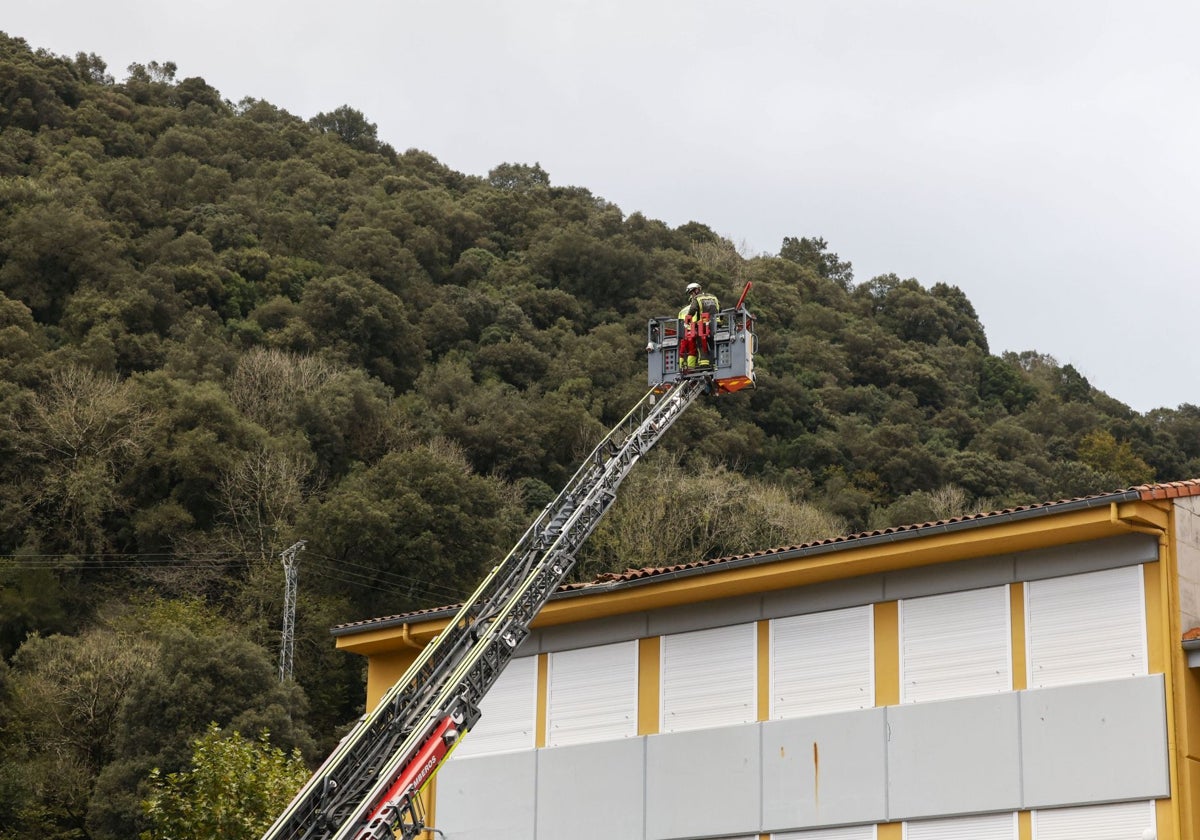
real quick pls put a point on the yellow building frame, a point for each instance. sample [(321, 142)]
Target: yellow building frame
[(391, 648)]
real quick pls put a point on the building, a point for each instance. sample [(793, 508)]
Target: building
[(1022, 674)]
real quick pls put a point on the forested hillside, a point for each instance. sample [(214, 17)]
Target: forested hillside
[(225, 328)]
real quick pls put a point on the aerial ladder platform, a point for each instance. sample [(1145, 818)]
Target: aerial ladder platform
[(369, 787)]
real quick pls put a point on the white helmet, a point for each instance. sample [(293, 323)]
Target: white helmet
[(693, 287)]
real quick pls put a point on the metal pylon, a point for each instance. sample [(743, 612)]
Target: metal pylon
[(287, 644)]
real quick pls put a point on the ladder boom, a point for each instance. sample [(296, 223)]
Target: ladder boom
[(367, 787)]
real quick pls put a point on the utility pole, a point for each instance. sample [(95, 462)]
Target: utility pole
[(288, 643)]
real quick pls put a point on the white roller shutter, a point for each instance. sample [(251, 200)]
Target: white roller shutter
[(592, 694), (1122, 821), (509, 712), (1085, 628), (709, 678), (982, 827), (853, 832), (822, 663), (955, 645)]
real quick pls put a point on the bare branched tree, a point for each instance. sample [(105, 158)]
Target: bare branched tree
[(267, 381), (261, 496), (949, 501), (722, 256), (85, 429), (669, 513)]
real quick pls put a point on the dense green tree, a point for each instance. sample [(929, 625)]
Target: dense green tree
[(47, 251), (1174, 440), (815, 254), (365, 325), (37, 89), (605, 275), (1072, 386), (519, 177), (32, 600), (351, 126), (1104, 453), (233, 788), (22, 340), (1001, 384), (195, 436), (82, 433), (416, 525), (197, 679), (958, 317), (65, 695)]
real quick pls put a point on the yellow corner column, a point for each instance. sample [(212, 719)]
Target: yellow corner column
[(1165, 656), (649, 691), (764, 670), (887, 680), (889, 831), (887, 653), (541, 735), (1020, 675), (1024, 825), (1020, 667)]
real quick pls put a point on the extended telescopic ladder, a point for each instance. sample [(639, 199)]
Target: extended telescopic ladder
[(368, 787)]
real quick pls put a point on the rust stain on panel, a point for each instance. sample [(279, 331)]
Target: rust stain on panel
[(816, 776)]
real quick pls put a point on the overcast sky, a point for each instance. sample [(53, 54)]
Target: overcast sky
[(1042, 156)]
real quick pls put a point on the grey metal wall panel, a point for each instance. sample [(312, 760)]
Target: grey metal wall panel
[(1091, 556), (1095, 742), (1187, 550), (706, 615), (953, 757), (824, 770), (978, 573), (821, 597), (592, 791), (600, 631), (487, 798), (704, 783)]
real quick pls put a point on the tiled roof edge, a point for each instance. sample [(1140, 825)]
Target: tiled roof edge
[(1143, 492)]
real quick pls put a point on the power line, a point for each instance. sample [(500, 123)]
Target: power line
[(345, 571), (122, 554), (415, 588), (386, 576), (114, 561)]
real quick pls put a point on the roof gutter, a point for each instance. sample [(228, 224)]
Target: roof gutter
[(1192, 648)]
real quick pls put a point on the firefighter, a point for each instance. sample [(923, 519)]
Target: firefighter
[(702, 316), (687, 340)]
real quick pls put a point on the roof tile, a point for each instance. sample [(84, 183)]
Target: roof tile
[(1169, 490)]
